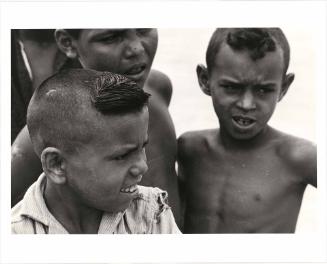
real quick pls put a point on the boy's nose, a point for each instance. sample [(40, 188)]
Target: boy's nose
[(247, 101), (140, 167), (134, 46)]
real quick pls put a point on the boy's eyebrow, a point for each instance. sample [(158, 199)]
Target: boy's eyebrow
[(234, 81), (228, 80), (127, 148), (267, 84), (95, 35)]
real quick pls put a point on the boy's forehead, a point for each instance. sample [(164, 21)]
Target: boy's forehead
[(102, 30), (110, 133), (119, 128), (92, 32), (227, 52), (235, 62), (115, 123)]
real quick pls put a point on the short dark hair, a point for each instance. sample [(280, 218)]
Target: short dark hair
[(66, 105), (37, 35), (115, 94), (258, 41), (75, 33)]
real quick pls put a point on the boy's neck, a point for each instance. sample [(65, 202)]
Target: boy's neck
[(74, 217), (233, 144)]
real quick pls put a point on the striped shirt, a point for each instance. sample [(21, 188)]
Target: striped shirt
[(149, 213)]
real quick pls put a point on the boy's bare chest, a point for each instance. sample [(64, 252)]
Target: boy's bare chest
[(232, 194), (241, 186)]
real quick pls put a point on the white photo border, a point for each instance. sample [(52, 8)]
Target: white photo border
[(163, 248)]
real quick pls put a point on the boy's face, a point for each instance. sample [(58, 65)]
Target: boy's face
[(245, 92), (129, 52), (104, 173)]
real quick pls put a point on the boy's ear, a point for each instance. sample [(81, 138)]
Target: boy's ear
[(65, 43), (54, 165), (289, 78), (203, 78)]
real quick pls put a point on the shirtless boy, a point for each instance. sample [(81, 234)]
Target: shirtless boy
[(245, 177), (90, 129), (129, 52)]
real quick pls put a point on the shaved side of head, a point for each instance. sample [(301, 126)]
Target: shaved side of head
[(67, 107)]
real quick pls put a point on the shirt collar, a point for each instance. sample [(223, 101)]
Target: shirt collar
[(33, 206)]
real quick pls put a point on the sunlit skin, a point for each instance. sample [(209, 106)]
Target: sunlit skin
[(244, 177), (99, 176), (129, 52), (42, 65), (125, 51)]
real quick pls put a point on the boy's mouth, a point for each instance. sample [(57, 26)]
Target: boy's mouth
[(243, 121), (130, 189), (136, 69)]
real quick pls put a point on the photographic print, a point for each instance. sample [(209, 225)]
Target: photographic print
[(208, 131)]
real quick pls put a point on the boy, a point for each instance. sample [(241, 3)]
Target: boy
[(244, 177), (129, 52), (90, 130)]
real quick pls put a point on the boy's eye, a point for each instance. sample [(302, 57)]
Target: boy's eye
[(130, 152), (263, 90), (229, 88), (144, 31), (110, 38), (121, 157)]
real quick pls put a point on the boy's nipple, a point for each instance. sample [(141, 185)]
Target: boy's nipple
[(257, 197)]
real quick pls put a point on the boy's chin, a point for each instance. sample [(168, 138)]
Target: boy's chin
[(122, 205), (244, 136), (253, 135), (141, 82), (115, 209)]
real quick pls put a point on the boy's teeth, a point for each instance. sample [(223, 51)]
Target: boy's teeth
[(244, 122), (129, 189)]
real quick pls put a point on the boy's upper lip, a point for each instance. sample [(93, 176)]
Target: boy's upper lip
[(244, 117), (135, 183), (135, 69)]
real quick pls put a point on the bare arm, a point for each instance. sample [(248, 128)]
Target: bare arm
[(159, 84), (302, 156), (25, 166), (182, 160), (310, 164), (180, 172)]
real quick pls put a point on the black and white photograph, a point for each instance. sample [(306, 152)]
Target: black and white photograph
[(210, 135)]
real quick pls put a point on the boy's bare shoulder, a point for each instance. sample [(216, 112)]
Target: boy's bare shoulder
[(193, 142), (295, 149), (300, 155), (159, 84)]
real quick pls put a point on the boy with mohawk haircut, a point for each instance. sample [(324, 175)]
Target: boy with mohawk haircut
[(245, 177), (90, 129), (129, 52)]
